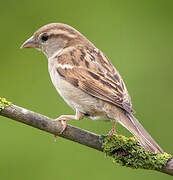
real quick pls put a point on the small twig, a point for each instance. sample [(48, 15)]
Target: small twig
[(50, 125)]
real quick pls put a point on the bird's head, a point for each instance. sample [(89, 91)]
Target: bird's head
[(55, 37)]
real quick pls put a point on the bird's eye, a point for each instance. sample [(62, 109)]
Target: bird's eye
[(44, 37)]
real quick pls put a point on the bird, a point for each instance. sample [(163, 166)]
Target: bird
[(87, 80)]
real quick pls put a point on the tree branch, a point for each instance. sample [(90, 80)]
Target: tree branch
[(51, 126)]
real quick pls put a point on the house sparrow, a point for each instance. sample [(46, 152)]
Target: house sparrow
[(87, 81)]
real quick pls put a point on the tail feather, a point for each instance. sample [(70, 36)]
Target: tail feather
[(146, 141)]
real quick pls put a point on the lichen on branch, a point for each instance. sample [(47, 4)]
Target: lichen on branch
[(124, 151), (128, 152), (4, 103)]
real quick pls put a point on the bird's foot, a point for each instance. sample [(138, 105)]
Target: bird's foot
[(64, 125), (63, 118), (113, 131)]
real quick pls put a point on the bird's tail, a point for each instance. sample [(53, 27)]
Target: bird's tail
[(133, 125)]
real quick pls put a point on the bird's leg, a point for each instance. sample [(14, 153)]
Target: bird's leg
[(64, 118), (113, 130)]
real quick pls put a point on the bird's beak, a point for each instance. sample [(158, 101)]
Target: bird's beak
[(30, 43)]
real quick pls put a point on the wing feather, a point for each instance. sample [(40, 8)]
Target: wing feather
[(96, 76)]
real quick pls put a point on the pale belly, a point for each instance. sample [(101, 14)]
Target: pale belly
[(77, 99)]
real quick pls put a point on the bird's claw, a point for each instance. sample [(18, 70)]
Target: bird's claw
[(64, 125)]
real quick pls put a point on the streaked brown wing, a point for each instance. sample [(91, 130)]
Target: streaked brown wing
[(94, 74)]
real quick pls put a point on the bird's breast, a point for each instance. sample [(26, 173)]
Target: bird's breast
[(75, 97)]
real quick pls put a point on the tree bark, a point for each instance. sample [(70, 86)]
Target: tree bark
[(51, 126)]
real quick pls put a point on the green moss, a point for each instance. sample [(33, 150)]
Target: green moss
[(128, 152), (3, 103)]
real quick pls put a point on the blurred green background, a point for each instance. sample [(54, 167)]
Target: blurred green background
[(137, 36)]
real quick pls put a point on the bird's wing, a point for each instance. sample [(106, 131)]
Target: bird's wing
[(92, 72)]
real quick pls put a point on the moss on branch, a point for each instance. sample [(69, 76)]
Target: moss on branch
[(124, 151), (128, 152), (4, 103)]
